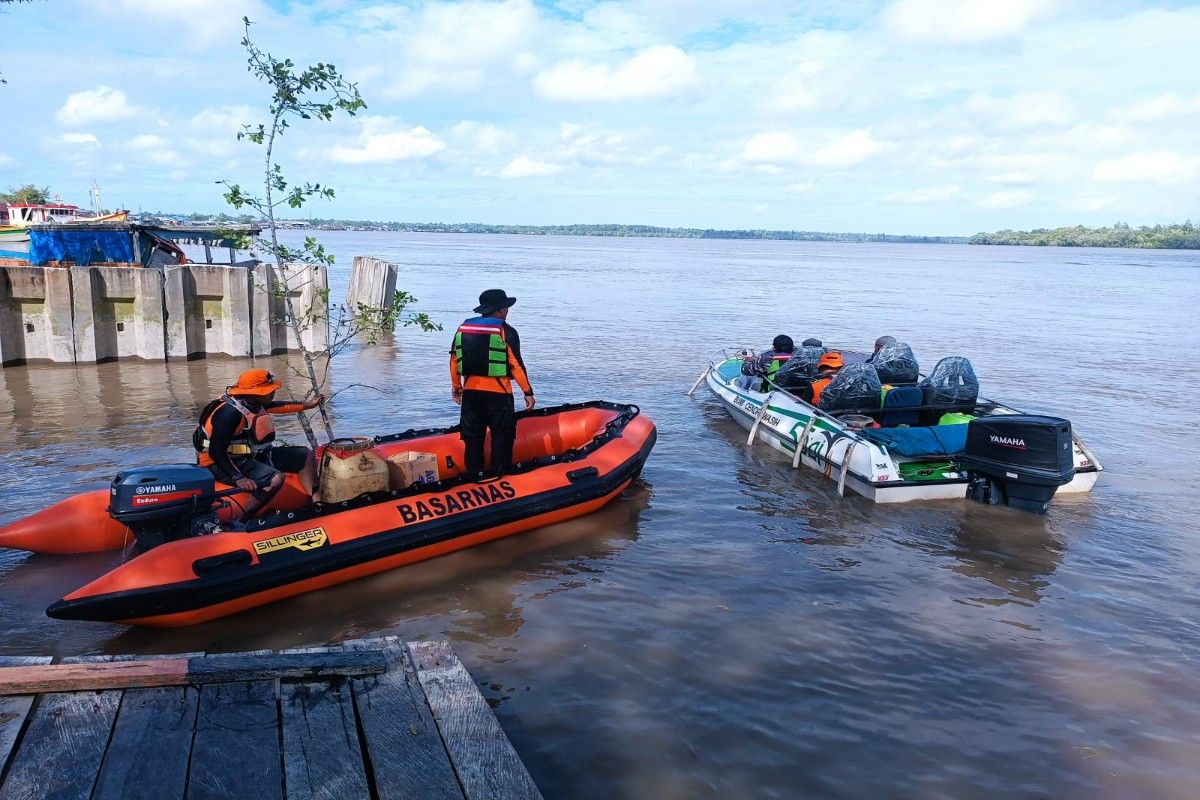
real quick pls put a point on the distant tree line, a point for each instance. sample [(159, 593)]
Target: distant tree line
[(1182, 236), (597, 230)]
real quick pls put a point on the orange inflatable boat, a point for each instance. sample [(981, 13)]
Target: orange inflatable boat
[(571, 460)]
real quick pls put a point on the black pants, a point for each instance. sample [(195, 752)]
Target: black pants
[(481, 412)]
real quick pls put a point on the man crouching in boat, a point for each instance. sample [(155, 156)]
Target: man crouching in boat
[(233, 440)]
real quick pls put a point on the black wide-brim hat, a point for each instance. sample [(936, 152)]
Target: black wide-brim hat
[(493, 300)]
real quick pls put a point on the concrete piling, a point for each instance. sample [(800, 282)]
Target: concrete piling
[(372, 284)]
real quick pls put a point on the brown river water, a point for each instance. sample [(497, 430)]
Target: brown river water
[(730, 628)]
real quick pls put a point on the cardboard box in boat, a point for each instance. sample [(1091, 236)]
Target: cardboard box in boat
[(405, 469)]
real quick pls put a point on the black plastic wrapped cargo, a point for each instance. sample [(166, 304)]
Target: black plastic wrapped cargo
[(1018, 460), (856, 387), (896, 364), (952, 386), (798, 373)]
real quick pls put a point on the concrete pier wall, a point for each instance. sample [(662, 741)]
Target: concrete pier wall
[(93, 314), (118, 313), (208, 311), (35, 316), (307, 286)]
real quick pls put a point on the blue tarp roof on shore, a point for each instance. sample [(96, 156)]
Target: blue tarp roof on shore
[(80, 246)]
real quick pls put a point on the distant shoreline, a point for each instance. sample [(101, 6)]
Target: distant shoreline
[(1185, 236)]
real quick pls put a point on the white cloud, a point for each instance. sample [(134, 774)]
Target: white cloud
[(380, 142), (933, 194), (526, 167), (1007, 199), (205, 21), (1164, 167), (846, 151), (226, 119), (1165, 106), (771, 148), (84, 139), (457, 46), (5, 159), (654, 72), (102, 104), (481, 137), (146, 141), (960, 21), (1089, 203), (1022, 110), (1016, 178)]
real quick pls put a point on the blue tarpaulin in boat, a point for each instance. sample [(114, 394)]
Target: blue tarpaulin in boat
[(940, 440), (83, 247)]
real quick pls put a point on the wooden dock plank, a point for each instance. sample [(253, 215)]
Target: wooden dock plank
[(484, 759), (126, 674), (15, 709), (322, 755), (151, 744), (63, 746), (407, 756), (236, 748)]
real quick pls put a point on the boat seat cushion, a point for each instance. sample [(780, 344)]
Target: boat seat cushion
[(899, 406), (943, 440)]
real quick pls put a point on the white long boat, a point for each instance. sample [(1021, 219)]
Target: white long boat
[(826, 444)]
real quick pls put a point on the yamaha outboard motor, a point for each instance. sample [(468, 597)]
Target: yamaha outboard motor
[(162, 504), (1018, 460)]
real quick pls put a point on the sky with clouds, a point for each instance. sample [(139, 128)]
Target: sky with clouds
[(901, 116)]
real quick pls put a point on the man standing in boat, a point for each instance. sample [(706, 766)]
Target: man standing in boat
[(484, 361)]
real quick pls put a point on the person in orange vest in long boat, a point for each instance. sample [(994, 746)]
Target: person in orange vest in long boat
[(234, 436), (485, 359)]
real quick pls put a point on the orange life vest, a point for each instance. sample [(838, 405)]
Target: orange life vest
[(818, 386), (254, 432)]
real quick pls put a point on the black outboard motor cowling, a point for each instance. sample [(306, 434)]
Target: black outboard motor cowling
[(1018, 460), (162, 504)]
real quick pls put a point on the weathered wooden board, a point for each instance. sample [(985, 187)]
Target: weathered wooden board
[(151, 744), (15, 709), (236, 748), (406, 753), (322, 755), (486, 763), (179, 671), (63, 746)]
